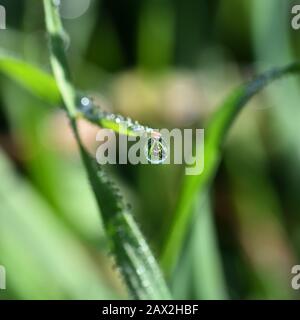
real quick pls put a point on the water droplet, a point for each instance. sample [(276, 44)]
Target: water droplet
[(146, 283), (85, 101), (102, 175), (151, 260), (137, 127), (129, 122), (156, 150), (140, 270), (119, 119), (148, 130), (86, 107), (111, 117)]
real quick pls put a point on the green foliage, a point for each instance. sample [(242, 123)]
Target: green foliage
[(133, 257), (200, 266), (135, 260), (39, 243), (216, 133), (30, 77)]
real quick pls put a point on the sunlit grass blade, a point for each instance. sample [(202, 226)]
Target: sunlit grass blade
[(43, 85), (215, 135), (32, 78)]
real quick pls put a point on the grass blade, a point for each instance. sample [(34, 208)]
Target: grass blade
[(43, 85), (207, 271), (30, 77), (133, 257), (216, 132)]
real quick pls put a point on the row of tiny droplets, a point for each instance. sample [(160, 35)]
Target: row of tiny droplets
[(94, 114), (155, 147)]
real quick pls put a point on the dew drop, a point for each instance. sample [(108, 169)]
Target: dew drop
[(111, 117), (129, 122), (156, 150), (137, 127), (140, 271), (85, 101), (102, 175), (148, 130), (119, 119), (86, 106)]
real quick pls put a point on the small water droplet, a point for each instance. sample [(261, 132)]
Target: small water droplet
[(119, 119), (146, 284), (87, 107), (102, 175), (137, 127), (140, 270), (151, 260), (129, 122), (111, 117), (142, 249), (85, 101), (156, 150), (148, 130)]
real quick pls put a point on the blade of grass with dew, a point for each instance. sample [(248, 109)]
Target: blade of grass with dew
[(46, 166), (215, 135), (133, 257), (43, 85)]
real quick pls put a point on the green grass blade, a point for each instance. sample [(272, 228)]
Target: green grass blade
[(133, 257), (43, 85), (215, 135), (207, 270), (30, 77)]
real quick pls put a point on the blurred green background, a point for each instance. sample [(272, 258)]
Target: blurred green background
[(165, 63)]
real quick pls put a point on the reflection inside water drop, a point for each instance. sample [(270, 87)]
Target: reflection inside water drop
[(156, 150)]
